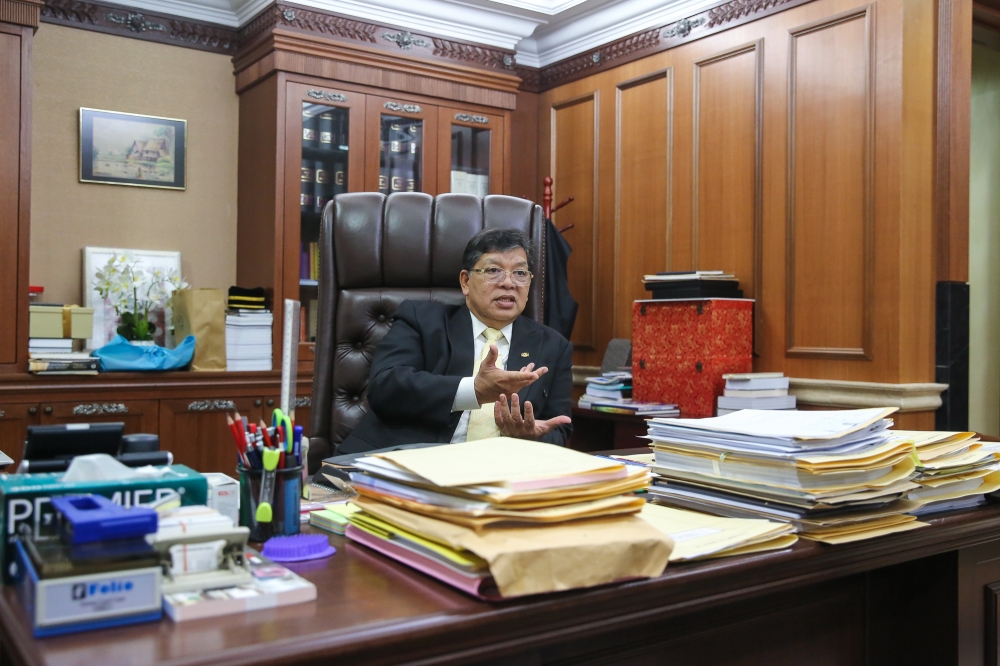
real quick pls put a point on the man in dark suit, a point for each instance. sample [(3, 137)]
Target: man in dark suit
[(441, 372)]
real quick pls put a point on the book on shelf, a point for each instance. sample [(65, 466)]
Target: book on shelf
[(755, 381), (67, 367), (773, 402), (761, 390), (50, 344), (613, 391)]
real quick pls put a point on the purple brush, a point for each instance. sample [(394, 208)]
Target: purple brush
[(298, 548)]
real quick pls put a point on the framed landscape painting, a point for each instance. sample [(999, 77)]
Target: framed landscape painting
[(129, 149)]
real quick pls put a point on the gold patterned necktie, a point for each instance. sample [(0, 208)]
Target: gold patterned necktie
[(481, 421)]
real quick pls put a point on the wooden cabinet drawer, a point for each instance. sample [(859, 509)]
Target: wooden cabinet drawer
[(14, 422), (195, 431), (137, 415)]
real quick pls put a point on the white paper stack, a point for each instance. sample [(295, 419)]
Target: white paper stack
[(837, 476), (248, 341), (955, 470)]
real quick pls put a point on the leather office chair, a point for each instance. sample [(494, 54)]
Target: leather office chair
[(376, 252)]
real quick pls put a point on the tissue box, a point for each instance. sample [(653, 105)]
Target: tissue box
[(24, 500), (224, 495)]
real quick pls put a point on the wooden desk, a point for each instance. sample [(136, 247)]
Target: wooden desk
[(913, 598), (597, 431)]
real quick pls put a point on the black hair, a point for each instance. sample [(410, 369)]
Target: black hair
[(495, 240)]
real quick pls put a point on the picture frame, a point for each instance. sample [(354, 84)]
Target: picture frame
[(130, 149), (105, 319)]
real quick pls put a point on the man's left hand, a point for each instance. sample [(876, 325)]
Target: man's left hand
[(511, 424)]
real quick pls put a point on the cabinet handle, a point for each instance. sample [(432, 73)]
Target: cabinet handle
[(211, 405), (408, 108), (32, 410), (469, 118), (304, 401), (270, 402), (329, 96), (2, 413), (256, 403), (97, 408), (47, 410)]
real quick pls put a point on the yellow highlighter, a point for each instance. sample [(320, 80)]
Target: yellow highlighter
[(264, 512)]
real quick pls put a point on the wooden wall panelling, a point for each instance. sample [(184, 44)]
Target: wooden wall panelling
[(14, 421), (15, 188), (195, 431), (830, 255), (726, 167), (574, 151), (643, 157), (952, 136), (260, 194), (525, 180)]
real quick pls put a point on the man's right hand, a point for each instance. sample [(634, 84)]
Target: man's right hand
[(492, 382)]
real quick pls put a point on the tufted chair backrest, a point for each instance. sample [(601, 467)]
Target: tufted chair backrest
[(376, 252)]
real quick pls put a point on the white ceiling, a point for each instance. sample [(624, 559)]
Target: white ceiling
[(540, 31)]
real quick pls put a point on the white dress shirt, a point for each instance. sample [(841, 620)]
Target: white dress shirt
[(465, 397)]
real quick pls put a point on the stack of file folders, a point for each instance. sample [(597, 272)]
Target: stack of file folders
[(692, 284), (504, 517), (836, 476), (955, 470)]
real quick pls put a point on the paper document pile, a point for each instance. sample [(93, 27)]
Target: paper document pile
[(699, 536), (837, 476), (955, 470), (505, 517)]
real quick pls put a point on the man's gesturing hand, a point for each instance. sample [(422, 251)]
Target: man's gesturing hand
[(510, 423), (491, 382)]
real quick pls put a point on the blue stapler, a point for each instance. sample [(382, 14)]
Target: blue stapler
[(91, 518)]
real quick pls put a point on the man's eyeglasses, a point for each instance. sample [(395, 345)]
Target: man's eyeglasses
[(495, 275)]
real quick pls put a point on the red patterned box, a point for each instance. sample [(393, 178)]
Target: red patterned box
[(681, 350)]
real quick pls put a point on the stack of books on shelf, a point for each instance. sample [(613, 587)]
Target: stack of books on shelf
[(309, 263), (249, 299), (954, 470), (693, 284), (502, 517), (755, 390), (612, 393), (62, 363), (248, 340), (837, 476)]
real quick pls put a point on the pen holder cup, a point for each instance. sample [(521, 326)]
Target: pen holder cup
[(284, 507)]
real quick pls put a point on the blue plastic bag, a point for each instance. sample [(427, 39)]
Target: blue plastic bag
[(120, 354)]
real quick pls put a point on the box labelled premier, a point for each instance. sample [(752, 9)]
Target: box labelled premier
[(224, 495)]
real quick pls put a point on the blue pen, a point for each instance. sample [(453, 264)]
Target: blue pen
[(297, 444)]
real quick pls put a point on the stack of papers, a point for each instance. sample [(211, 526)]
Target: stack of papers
[(755, 390), (699, 536), (333, 518), (955, 470), (611, 392), (505, 517), (248, 341), (836, 476)]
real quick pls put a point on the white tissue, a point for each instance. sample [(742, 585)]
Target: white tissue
[(102, 467)]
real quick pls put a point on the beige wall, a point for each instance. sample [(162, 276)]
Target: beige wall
[(984, 240), (78, 68)]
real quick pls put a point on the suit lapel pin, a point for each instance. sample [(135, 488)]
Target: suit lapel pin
[(524, 354)]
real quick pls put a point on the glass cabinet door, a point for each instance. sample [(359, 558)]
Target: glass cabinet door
[(475, 143), (403, 137), (324, 158)]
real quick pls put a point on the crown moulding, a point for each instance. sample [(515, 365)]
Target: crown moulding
[(648, 42), (118, 20)]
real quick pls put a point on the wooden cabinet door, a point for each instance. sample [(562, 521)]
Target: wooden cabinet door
[(195, 431), (324, 156), (471, 148), (401, 148), (14, 422), (137, 415)]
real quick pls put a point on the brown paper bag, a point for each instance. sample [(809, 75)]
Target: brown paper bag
[(202, 313)]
